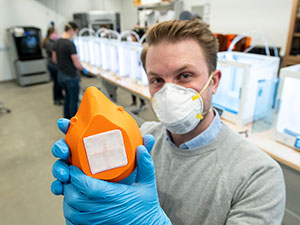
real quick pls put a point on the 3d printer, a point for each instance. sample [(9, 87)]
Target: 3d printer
[(27, 62), (237, 91), (98, 19), (286, 126)]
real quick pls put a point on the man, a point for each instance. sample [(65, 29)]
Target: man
[(65, 55), (205, 172)]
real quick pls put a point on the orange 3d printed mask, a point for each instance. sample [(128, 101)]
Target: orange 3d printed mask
[(103, 138)]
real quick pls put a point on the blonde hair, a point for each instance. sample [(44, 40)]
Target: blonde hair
[(177, 30), (71, 26)]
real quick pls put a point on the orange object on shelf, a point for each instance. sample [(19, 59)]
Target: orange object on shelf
[(226, 39), (103, 138), (223, 42), (241, 45), (136, 2)]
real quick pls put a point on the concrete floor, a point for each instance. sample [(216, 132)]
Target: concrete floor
[(26, 137)]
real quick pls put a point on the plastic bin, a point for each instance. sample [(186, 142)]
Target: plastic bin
[(237, 91), (286, 127)]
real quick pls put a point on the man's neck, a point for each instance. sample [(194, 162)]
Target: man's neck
[(66, 35), (179, 139)]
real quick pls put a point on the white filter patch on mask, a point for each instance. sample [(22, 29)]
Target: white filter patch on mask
[(105, 151)]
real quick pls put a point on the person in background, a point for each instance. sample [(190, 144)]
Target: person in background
[(200, 171), (185, 15), (48, 43), (65, 55)]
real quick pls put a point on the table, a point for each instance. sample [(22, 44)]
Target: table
[(126, 82)]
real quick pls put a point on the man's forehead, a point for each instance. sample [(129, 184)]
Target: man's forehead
[(186, 48), (165, 42), (175, 56), (177, 69)]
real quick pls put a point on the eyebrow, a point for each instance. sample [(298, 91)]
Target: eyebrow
[(153, 74), (176, 71), (183, 68)]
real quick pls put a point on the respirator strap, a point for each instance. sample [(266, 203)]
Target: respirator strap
[(205, 86), (201, 115), (154, 101)]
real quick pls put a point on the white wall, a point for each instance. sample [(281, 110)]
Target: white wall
[(269, 17), (115, 5), (65, 9), (129, 15)]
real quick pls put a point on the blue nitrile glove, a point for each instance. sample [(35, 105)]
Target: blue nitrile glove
[(85, 72), (92, 201), (60, 169)]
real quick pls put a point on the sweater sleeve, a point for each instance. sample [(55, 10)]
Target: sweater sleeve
[(259, 197)]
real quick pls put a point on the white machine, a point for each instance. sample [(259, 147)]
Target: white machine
[(137, 71), (98, 19), (237, 91), (85, 45), (124, 52), (286, 126), (151, 12), (130, 63), (27, 62)]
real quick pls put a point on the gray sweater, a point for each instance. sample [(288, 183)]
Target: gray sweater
[(228, 181)]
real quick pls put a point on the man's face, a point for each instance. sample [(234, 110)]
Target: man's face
[(182, 63)]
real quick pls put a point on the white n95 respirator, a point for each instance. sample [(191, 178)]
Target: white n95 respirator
[(180, 109)]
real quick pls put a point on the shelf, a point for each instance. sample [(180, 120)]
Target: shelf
[(293, 42), (296, 34), (291, 60)]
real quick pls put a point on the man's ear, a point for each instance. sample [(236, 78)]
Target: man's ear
[(215, 81)]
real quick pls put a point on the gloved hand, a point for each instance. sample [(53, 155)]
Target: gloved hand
[(85, 72), (60, 169), (92, 201), (89, 201)]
